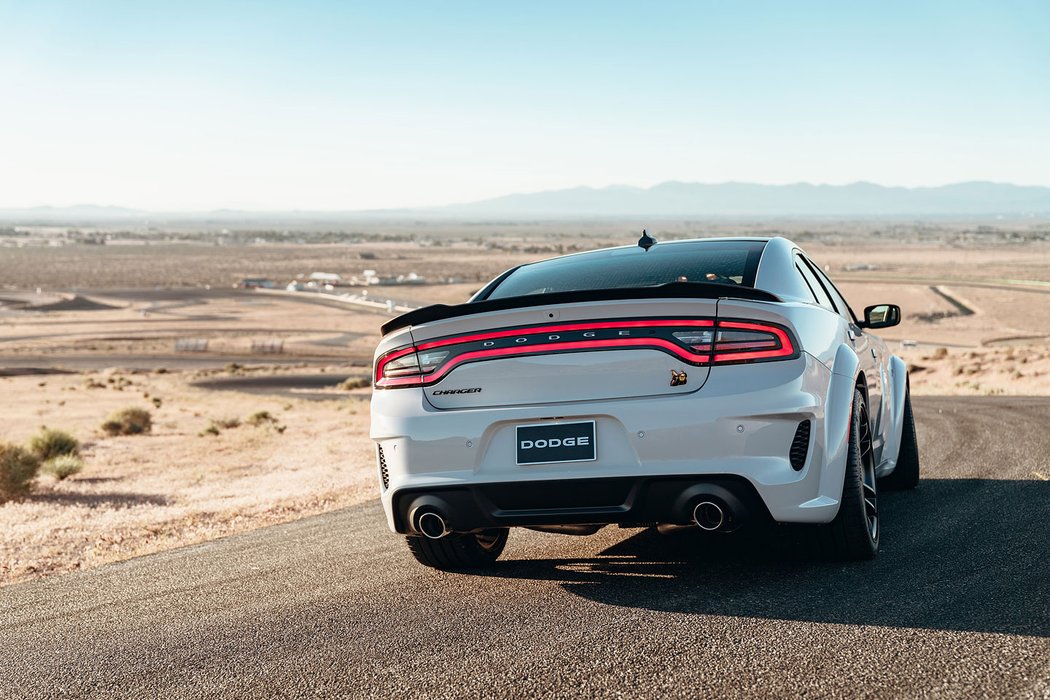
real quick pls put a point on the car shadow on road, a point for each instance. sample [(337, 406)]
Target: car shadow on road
[(957, 554)]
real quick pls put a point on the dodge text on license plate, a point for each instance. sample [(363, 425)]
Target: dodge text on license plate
[(556, 442)]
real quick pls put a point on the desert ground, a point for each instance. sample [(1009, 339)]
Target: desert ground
[(153, 321)]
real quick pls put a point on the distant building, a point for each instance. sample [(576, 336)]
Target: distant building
[(325, 277), (369, 277), (256, 283), (410, 278)]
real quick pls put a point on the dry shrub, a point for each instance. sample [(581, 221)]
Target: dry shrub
[(355, 383), (265, 418), (260, 418), (18, 468), (128, 421), (118, 382), (217, 425), (63, 466), (939, 354), (49, 443)]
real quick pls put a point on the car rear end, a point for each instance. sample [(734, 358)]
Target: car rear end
[(632, 405)]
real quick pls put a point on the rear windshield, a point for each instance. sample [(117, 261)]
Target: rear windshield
[(725, 262)]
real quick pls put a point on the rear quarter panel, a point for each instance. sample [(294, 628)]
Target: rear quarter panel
[(819, 331)]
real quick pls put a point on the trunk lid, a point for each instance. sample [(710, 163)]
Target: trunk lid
[(564, 353)]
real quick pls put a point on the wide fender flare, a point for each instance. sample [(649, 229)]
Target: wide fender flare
[(895, 393), (837, 415)]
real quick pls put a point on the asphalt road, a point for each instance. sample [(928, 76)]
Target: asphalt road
[(956, 605)]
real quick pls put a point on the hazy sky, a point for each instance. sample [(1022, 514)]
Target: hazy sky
[(346, 105)]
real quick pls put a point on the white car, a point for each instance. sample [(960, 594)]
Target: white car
[(706, 383)]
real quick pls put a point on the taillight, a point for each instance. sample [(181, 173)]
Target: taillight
[(694, 341), (740, 341)]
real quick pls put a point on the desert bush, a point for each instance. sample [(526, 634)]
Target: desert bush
[(260, 418), (50, 443), (217, 425), (118, 382), (18, 468), (355, 383), (265, 418), (128, 421), (62, 466)]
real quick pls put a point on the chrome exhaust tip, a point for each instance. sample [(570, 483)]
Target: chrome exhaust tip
[(431, 525), (709, 516)]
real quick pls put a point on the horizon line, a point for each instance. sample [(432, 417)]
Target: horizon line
[(432, 207)]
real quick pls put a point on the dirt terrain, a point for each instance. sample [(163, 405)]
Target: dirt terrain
[(88, 329), (180, 483)]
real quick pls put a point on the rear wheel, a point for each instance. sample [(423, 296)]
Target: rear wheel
[(906, 474), (854, 533), (459, 551)]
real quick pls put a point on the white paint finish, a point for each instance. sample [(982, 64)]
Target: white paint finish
[(692, 433), (565, 377)]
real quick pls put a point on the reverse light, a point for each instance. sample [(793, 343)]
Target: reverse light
[(429, 360), (699, 340), (404, 366)]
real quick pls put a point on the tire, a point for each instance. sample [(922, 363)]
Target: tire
[(854, 533), (458, 552), (905, 475)]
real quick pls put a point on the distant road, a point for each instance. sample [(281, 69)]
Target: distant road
[(1034, 286), (956, 605)]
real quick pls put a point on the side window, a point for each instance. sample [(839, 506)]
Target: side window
[(815, 287), (840, 301), (812, 294)]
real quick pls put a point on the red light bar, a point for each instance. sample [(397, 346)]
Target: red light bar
[(771, 342), (568, 327)]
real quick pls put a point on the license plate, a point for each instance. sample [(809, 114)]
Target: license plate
[(556, 442)]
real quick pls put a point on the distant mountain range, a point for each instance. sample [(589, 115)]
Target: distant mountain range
[(861, 199), (668, 199)]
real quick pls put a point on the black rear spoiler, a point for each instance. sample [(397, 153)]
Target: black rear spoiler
[(672, 290)]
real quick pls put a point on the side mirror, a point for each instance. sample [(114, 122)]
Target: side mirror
[(881, 316)]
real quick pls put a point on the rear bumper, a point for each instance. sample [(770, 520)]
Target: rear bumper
[(621, 500), (740, 426)]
